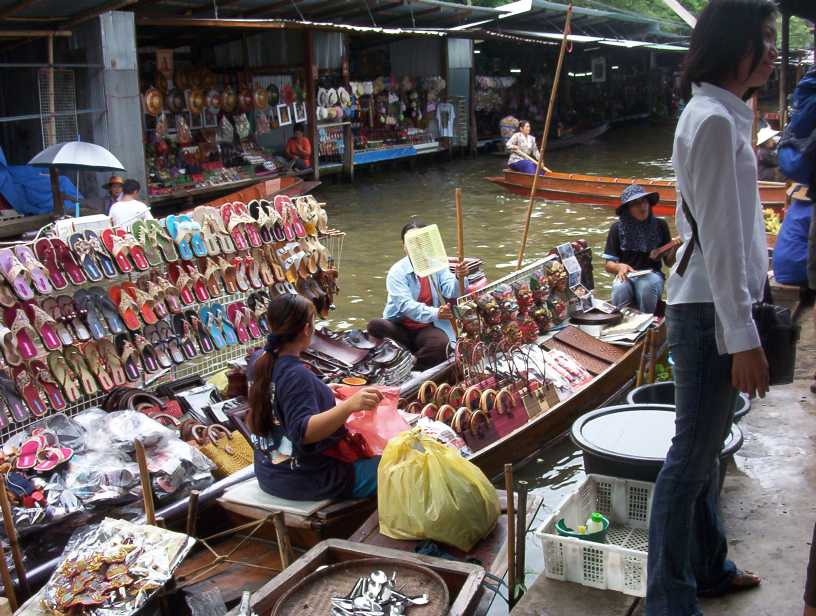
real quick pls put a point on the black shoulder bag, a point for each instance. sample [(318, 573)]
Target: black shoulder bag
[(777, 330)]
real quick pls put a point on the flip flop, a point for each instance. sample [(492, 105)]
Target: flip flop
[(21, 331), (46, 381), (184, 333), (251, 322), (70, 315), (46, 254), (19, 411), (143, 301), (156, 295), (281, 205), (202, 216), (135, 250), (211, 322), (103, 304), (181, 236), (228, 276), (126, 307), (27, 455), (237, 320), (158, 234), (112, 361), (234, 227), (147, 352), (66, 377), (102, 255), (85, 253), (16, 274), (118, 249), (50, 306), (51, 457), (250, 228), (77, 363), (259, 212), (86, 304), (44, 324), (171, 295), (128, 358), (199, 330), (36, 270), (199, 283), (253, 271), (240, 274), (162, 355), (28, 390), (152, 252), (196, 238), (220, 313), (181, 280), (9, 345), (176, 354), (93, 358), (212, 274), (68, 262)]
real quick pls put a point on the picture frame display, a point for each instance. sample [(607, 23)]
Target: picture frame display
[(300, 112), (284, 115)]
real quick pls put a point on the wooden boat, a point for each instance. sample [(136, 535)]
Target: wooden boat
[(605, 191)]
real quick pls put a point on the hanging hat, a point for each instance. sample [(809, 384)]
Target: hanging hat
[(196, 100), (153, 101), (214, 100), (322, 97), (274, 94), (261, 97), (114, 179), (229, 100), (633, 192), (245, 100), (765, 134), (345, 97)]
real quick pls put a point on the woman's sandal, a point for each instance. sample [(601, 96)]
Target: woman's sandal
[(212, 275), (241, 274), (45, 325), (128, 357), (148, 241), (113, 362), (199, 283), (21, 331), (235, 227), (228, 275), (740, 581), (50, 458), (224, 325), (85, 302), (184, 335), (45, 379), (86, 255), (135, 250), (29, 391), (181, 280), (77, 363), (126, 307), (159, 236), (171, 295), (36, 270), (102, 255), (118, 249), (47, 255), (147, 352), (97, 365), (143, 301), (16, 274), (107, 308), (65, 376)]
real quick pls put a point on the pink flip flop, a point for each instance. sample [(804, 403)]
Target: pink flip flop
[(51, 457), (48, 257), (27, 389), (136, 251), (25, 335), (68, 261), (29, 450), (237, 320), (44, 325), (16, 274), (35, 269), (252, 323), (234, 227)]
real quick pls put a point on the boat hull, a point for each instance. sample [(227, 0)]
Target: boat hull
[(605, 191)]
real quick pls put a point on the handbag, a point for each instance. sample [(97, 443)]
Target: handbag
[(777, 331), (230, 453)]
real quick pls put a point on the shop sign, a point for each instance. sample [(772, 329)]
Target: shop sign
[(164, 62)]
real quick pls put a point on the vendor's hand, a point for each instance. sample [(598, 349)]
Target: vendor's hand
[(335, 386), (461, 270), (365, 400), (624, 269), (445, 312), (749, 372)]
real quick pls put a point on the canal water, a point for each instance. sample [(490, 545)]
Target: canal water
[(374, 208)]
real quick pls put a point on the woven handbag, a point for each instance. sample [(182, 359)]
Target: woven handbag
[(229, 454)]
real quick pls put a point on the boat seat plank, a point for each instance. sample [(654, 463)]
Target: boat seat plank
[(249, 493)]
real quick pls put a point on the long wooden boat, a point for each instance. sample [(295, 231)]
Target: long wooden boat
[(605, 191)]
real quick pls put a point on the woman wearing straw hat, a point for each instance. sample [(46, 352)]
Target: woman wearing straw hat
[(114, 188), (631, 251)]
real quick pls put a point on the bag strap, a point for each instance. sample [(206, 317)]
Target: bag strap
[(695, 239)]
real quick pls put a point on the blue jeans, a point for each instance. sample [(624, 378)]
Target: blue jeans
[(641, 292), (687, 545)]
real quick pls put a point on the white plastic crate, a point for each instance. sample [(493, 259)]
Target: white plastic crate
[(619, 564)]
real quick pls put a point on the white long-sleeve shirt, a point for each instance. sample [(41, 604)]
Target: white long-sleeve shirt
[(717, 176)]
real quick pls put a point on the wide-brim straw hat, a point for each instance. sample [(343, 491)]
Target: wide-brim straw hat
[(229, 101), (633, 192), (765, 134), (153, 101), (196, 100), (114, 179)]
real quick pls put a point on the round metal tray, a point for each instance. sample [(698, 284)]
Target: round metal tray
[(313, 594), (596, 317)]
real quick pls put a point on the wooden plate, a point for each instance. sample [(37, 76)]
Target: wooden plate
[(354, 380), (596, 317), (313, 594)]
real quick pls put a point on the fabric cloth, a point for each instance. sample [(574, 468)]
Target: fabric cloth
[(525, 143), (790, 256), (308, 475), (365, 477), (28, 189), (429, 345), (687, 543), (300, 150), (797, 148), (633, 247), (642, 292), (716, 176), (125, 213), (425, 297), (402, 285), (525, 166), (445, 115)]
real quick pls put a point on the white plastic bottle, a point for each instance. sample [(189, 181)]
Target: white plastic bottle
[(594, 523)]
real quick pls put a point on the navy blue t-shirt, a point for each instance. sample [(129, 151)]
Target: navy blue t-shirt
[(314, 475)]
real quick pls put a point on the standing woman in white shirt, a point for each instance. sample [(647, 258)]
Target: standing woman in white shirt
[(712, 335)]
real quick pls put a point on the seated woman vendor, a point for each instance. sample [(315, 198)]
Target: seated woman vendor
[(636, 246), (415, 315), (522, 148), (296, 423)]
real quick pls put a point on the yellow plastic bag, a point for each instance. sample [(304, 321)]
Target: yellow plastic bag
[(429, 491)]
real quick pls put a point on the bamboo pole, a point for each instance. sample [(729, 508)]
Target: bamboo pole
[(521, 534), (8, 585), (192, 513), (14, 543), (460, 237), (652, 356), (642, 365), (545, 136), (511, 536), (147, 489)]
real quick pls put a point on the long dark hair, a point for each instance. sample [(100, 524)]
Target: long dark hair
[(288, 314), (725, 32)]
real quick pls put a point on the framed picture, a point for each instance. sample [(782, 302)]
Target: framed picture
[(300, 112), (598, 70), (284, 117), (195, 120)]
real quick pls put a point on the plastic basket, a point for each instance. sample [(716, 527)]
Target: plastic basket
[(620, 563)]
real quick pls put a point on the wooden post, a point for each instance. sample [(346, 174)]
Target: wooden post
[(521, 533), (14, 543), (652, 356), (511, 535), (147, 488), (783, 71), (8, 585), (311, 108), (460, 237), (192, 513), (545, 136), (642, 365), (53, 173), (287, 555)]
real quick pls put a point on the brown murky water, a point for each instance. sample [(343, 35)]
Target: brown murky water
[(373, 210)]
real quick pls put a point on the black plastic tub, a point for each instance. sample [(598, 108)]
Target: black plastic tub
[(663, 393), (631, 440)]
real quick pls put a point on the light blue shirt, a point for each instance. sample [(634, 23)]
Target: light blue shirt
[(403, 290)]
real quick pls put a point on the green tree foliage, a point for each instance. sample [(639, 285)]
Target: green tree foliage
[(801, 33)]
